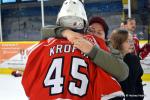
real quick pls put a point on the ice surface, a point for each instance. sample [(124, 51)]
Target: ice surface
[(11, 88)]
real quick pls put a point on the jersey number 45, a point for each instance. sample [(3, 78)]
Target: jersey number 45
[(55, 80)]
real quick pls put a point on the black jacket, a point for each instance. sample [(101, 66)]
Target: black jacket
[(132, 86)]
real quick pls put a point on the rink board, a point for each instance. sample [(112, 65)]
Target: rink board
[(14, 56)]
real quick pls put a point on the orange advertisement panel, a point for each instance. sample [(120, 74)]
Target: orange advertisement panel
[(14, 54)]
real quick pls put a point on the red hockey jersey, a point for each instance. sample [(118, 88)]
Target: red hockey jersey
[(56, 70), (136, 44), (141, 52)]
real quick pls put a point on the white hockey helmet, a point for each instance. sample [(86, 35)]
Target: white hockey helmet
[(72, 15)]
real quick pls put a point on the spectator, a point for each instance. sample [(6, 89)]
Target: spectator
[(132, 86), (99, 27)]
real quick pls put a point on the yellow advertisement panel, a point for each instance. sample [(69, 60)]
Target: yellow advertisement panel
[(125, 1)]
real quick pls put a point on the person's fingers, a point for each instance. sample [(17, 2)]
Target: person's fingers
[(73, 40), (77, 45), (76, 41), (77, 35)]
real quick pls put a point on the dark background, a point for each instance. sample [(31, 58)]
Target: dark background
[(21, 19)]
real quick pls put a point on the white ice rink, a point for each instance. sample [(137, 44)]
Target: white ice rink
[(11, 88)]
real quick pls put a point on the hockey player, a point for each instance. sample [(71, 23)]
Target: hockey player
[(56, 70), (130, 25)]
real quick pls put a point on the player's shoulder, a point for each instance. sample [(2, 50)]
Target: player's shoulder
[(40, 46), (90, 38)]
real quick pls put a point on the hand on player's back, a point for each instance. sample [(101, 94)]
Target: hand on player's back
[(71, 35), (83, 45)]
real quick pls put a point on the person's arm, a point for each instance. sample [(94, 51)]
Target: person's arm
[(110, 63), (144, 51), (52, 31), (59, 32)]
